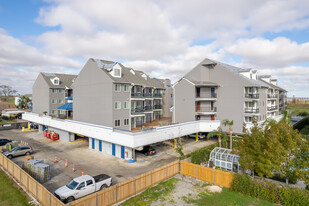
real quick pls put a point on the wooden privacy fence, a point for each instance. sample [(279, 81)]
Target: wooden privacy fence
[(122, 190), (217, 177), (38, 191), (130, 187)]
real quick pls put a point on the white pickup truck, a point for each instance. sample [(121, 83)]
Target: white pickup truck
[(82, 186)]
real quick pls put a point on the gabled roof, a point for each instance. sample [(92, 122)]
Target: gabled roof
[(127, 76), (65, 80), (270, 84), (237, 71)]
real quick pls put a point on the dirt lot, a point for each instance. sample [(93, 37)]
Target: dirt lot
[(91, 161)]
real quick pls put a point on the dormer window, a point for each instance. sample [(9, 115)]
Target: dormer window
[(132, 71), (116, 72), (55, 81), (144, 76)]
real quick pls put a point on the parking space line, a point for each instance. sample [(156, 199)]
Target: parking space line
[(80, 140)]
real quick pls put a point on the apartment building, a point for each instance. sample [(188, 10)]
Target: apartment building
[(215, 91), (110, 94), (50, 91)]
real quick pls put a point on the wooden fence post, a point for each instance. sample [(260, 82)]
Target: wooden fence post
[(27, 183), (214, 176), (50, 199), (151, 176), (13, 171), (167, 171), (36, 193), (179, 167), (116, 192), (134, 185), (96, 198), (196, 172)]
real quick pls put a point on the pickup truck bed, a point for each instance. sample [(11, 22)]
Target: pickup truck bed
[(101, 177)]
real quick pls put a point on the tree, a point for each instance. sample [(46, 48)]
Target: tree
[(23, 102), (256, 152), (7, 91), (226, 122), (275, 147), (294, 151), (179, 148), (219, 133)]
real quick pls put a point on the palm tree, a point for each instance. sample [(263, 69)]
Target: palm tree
[(219, 133), (226, 122)]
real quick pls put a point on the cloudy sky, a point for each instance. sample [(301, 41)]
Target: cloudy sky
[(162, 38)]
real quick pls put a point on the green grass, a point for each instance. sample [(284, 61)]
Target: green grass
[(6, 121), (225, 198), (164, 190), (8, 99), (298, 108), (10, 195), (160, 191)]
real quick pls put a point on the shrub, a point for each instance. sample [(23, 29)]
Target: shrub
[(5, 118), (303, 114), (201, 155), (272, 192), (280, 178)]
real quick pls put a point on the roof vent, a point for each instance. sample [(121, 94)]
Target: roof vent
[(132, 71)]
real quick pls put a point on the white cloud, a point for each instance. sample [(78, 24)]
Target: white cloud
[(275, 53), (162, 38)]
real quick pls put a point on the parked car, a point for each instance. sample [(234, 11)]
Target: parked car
[(4, 141), (148, 150), (18, 151), (82, 186), (34, 126)]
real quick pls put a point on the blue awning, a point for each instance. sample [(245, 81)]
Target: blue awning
[(67, 106), (70, 98)]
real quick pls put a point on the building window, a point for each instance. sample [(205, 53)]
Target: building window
[(60, 101), (117, 72), (117, 105), (126, 88), (54, 111), (61, 111), (117, 88), (61, 91), (126, 122), (117, 123), (56, 81), (54, 91), (126, 105), (54, 101)]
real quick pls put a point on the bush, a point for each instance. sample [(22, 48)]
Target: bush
[(5, 118), (280, 178), (303, 114), (271, 192), (201, 155)]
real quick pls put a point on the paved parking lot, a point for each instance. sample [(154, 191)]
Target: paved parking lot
[(91, 161)]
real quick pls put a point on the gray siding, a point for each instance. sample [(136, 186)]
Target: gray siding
[(167, 98), (93, 92), (121, 114), (57, 96), (40, 96), (184, 102)]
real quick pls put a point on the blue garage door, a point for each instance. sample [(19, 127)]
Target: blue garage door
[(100, 145), (122, 152), (114, 149), (93, 144)]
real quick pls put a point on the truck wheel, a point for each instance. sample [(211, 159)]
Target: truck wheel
[(70, 199), (103, 187), (10, 156)]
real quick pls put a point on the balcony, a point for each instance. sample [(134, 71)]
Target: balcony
[(137, 95), (137, 110), (252, 96), (252, 110), (157, 106), (272, 95), (157, 95), (148, 108), (212, 95), (148, 95), (205, 109), (272, 108)]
